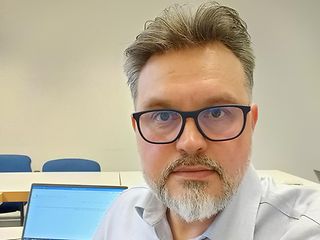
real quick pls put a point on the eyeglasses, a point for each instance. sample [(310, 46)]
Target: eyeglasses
[(218, 123)]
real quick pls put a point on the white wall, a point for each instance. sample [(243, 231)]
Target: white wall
[(63, 93)]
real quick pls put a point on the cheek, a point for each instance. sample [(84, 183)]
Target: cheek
[(234, 155), (154, 157)]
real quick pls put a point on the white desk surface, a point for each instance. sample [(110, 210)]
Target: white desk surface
[(286, 178), (132, 178), (18, 182), (22, 181), (135, 178), (7, 233)]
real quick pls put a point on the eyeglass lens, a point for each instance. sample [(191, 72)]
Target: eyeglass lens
[(216, 123)]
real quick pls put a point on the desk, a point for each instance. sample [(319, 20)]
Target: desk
[(14, 187), (14, 196), (286, 178), (134, 178), (10, 233)]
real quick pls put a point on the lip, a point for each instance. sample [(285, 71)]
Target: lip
[(193, 172)]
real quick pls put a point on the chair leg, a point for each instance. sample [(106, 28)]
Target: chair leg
[(22, 214)]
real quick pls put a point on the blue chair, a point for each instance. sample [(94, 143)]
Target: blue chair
[(71, 165), (14, 163)]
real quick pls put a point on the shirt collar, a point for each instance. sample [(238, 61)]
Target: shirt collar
[(151, 209), (236, 221)]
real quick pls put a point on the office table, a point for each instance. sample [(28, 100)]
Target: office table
[(134, 178), (14, 196), (14, 187), (287, 178), (10, 233)]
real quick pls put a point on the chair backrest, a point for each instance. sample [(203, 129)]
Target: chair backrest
[(71, 165), (15, 163)]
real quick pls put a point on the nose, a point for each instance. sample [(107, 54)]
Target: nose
[(191, 140)]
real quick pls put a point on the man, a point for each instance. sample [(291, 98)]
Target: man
[(191, 77)]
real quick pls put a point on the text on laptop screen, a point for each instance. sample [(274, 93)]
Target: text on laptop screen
[(67, 212)]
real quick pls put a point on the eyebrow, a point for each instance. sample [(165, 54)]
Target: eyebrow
[(160, 103), (156, 103)]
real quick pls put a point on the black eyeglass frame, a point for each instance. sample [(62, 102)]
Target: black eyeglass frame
[(193, 114)]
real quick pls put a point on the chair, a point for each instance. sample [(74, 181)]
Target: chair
[(71, 165), (14, 163)]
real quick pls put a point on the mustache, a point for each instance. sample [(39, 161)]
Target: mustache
[(192, 160)]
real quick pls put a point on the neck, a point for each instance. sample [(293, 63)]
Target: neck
[(182, 230)]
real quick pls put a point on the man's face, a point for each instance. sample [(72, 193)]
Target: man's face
[(188, 80)]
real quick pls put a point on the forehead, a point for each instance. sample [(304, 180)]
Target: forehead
[(192, 78)]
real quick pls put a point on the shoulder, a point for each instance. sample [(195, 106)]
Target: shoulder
[(294, 201), (127, 210), (134, 195), (295, 208), (129, 201)]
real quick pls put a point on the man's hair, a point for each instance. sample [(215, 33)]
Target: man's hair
[(179, 28)]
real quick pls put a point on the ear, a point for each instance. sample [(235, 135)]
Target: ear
[(133, 123), (254, 115)]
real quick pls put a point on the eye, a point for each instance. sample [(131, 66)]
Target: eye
[(162, 116), (216, 113), (165, 116)]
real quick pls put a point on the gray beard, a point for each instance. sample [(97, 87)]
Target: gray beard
[(195, 203)]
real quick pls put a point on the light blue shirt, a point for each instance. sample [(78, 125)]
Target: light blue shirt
[(260, 210)]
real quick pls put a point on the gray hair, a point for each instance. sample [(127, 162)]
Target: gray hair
[(179, 28)]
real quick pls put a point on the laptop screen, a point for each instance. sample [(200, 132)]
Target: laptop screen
[(66, 211)]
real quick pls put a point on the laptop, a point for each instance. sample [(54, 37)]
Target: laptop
[(68, 212), (317, 172)]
